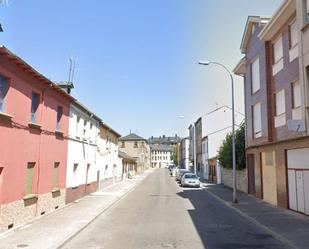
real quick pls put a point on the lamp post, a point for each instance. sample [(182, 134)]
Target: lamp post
[(207, 63)]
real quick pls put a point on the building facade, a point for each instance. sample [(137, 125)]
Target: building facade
[(161, 155), (198, 148), (84, 128), (138, 148), (276, 78), (184, 153), (109, 166), (129, 166), (34, 119), (205, 157)]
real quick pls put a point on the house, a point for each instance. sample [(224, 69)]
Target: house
[(82, 172), (184, 153), (138, 148), (129, 166), (34, 121), (108, 164), (161, 155), (275, 70)]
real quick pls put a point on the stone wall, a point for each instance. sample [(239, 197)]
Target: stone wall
[(241, 179)]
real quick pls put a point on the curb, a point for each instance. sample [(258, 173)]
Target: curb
[(67, 240), (277, 236)]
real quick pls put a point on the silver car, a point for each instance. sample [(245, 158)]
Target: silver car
[(190, 180), (180, 173)]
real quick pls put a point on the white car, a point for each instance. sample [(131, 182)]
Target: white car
[(180, 173), (190, 180)]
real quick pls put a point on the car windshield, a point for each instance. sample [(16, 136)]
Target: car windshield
[(190, 176)]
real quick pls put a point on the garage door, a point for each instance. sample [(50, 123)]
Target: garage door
[(298, 179)]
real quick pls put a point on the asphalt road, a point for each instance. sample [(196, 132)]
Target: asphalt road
[(160, 214)]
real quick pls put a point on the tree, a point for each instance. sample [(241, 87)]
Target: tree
[(225, 152)]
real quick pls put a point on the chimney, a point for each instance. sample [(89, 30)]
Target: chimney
[(66, 86)]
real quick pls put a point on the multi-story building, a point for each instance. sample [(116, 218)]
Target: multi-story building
[(161, 155), (108, 164), (205, 157), (198, 147), (184, 153), (192, 152), (34, 119), (275, 70), (138, 148), (84, 128)]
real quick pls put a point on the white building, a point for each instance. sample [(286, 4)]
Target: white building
[(205, 157), (83, 134), (109, 165), (161, 155), (184, 153)]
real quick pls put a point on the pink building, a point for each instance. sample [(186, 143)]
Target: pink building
[(34, 117)]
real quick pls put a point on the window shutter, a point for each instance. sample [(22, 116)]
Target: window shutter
[(296, 95), (278, 50), (255, 74), (280, 102), (257, 123), (293, 34)]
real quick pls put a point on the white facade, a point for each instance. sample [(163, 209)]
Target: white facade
[(161, 156), (82, 148), (205, 157), (184, 153), (109, 165)]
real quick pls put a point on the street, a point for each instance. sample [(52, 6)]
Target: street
[(160, 214)]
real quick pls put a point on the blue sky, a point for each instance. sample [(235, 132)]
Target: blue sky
[(136, 60)]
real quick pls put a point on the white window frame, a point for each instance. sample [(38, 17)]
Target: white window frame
[(278, 60), (296, 100), (257, 120), (293, 37), (255, 75), (280, 117)]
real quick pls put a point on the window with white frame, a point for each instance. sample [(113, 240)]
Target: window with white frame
[(255, 75), (277, 55), (280, 118), (296, 101), (257, 122), (293, 35)]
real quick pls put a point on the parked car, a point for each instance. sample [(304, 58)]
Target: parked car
[(190, 180), (180, 173)]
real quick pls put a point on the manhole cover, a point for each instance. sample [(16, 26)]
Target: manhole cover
[(22, 245)]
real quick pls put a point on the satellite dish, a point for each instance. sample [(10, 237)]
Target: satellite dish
[(296, 125)]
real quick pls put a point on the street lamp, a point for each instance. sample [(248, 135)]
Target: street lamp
[(207, 63)]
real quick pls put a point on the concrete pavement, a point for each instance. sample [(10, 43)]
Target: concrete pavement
[(53, 230), (160, 214)]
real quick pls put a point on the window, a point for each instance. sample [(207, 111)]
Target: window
[(75, 167), (257, 123), (77, 126), (56, 176), (123, 144), (296, 95), (29, 177), (277, 56), (3, 91), (293, 35), (255, 75), (135, 145), (307, 10), (34, 106), (280, 118), (59, 116), (296, 101)]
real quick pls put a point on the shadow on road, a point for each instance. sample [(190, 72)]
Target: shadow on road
[(220, 227)]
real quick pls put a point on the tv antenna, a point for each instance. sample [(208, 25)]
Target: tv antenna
[(72, 70)]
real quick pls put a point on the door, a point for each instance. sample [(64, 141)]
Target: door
[(251, 174), (298, 179), (269, 177)]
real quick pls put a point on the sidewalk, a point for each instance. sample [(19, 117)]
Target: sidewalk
[(52, 231), (289, 227)]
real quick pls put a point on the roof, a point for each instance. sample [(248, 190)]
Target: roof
[(280, 17), (161, 147), (248, 30), (125, 156), (240, 68), (132, 137), (25, 66), (164, 140)]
